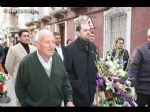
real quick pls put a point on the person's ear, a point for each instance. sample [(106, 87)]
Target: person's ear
[(36, 43), (77, 32)]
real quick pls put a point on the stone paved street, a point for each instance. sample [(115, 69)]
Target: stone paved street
[(11, 94)]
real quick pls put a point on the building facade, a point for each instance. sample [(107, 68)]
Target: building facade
[(109, 23)]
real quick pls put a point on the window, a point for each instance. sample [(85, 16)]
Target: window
[(118, 28), (117, 23)]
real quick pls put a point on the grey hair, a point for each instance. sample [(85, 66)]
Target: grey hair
[(37, 36)]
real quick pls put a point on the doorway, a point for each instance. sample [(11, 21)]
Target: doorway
[(61, 30)]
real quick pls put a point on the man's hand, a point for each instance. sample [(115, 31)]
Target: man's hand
[(70, 104)]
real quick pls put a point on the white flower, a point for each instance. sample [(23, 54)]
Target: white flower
[(116, 61), (120, 85), (109, 63), (109, 85), (108, 57), (111, 71), (122, 73), (117, 65), (7, 77), (128, 82), (113, 67), (4, 88)]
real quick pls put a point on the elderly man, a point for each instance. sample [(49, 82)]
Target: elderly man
[(140, 69), (42, 79)]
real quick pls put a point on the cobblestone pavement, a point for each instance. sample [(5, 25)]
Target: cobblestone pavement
[(11, 94)]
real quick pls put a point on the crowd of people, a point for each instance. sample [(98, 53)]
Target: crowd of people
[(48, 73)]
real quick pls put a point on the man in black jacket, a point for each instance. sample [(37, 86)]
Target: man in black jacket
[(140, 69), (6, 47), (1, 53), (79, 60)]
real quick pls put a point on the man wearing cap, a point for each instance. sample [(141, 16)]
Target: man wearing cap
[(139, 68)]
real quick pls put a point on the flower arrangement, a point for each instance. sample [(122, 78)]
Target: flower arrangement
[(3, 87), (113, 87)]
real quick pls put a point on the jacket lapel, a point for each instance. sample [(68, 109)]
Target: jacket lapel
[(22, 49)]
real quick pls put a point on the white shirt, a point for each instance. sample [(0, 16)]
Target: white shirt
[(59, 50), (44, 63)]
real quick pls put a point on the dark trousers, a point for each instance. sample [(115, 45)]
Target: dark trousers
[(143, 100)]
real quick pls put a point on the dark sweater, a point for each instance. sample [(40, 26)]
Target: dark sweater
[(140, 68), (34, 88)]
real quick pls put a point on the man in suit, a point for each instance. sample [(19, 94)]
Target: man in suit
[(17, 52), (42, 79), (79, 60), (59, 47)]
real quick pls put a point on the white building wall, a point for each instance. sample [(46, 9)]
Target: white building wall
[(25, 17)]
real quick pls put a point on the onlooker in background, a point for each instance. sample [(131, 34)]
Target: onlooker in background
[(139, 68), (43, 24), (92, 36), (59, 47), (120, 53), (6, 47), (17, 52), (42, 79), (1, 52), (92, 39), (79, 60)]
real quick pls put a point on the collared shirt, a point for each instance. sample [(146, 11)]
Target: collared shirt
[(45, 64), (59, 51)]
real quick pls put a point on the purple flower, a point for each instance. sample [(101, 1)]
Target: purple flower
[(99, 81)]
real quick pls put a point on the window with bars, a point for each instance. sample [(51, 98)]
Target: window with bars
[(116, 26)]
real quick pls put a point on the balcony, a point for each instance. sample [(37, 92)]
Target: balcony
[(58, 11), (13, 29), (11, 10)]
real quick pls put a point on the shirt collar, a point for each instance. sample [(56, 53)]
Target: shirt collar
[(42, 60), (58, 46)]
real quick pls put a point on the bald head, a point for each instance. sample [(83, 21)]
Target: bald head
[(45, 43), (43, 33)]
